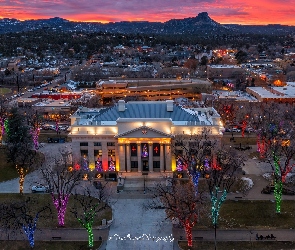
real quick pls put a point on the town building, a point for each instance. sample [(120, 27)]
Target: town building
[(224, 71), (136, 136), (152, 89), (274, 94)]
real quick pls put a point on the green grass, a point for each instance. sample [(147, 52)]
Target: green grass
[(4, 91), (247, 140), (252, 214), (7, 170), (240, 245), (49, 219), (48, 245)]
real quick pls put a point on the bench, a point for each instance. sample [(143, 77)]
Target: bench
[(56, 237)]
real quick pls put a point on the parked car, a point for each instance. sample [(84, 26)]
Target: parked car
[(249, 130), (40, 188), (236, 130)]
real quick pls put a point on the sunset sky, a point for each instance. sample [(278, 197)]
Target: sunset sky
[(222, 11)]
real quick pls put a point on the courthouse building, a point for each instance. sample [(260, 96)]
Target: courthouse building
[(136, 136)]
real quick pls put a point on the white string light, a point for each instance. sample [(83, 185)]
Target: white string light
[(143, 237)]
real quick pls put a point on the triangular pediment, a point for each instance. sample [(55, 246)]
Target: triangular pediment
[(144, 132)]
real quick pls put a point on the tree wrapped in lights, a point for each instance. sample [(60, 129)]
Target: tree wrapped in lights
[(98, 166), (22, 215), (85, 163), (221, 176), (145, 151), (281, 149), (3, 114), (179, 164), (20, 145), (86, 207), (180, 202), (112, 166), (61, 182), (35, 122), (2, 121), (275, 128), (195, 151)]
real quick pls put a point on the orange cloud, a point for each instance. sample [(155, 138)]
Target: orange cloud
[(222, 11)]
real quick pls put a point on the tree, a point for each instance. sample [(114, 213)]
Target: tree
[(275, 142), (22, 215), (62, 179), (192, 153), (204, 60), (180, 202), (241, 56), (90, 203), (191, 64), (19, 146), (221, 174)]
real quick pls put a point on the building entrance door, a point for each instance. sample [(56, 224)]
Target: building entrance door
[(145, 165)]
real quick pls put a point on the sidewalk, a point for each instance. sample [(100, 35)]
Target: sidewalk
[(237, 234)]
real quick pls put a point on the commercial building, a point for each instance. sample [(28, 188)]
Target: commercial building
[(136, 136), (274, 94), (152, 89)]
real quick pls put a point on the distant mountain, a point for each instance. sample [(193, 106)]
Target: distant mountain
[(202, 24)]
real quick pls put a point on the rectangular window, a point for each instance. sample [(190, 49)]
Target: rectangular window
[(97, 144), (111, 153), (156, 164), (84, 153), (97, 154), (156, 149), (133, 149), (134, 164), (83, 144), (110, 143)]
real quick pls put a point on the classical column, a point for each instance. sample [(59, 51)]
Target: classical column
[(151, 157), (91, 153), (168, 157), (122, 157), (128, 155), (117, 158), (161, 157), (139, 157)]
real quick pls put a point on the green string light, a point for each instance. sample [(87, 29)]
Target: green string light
[(216, 204), (278, 184)]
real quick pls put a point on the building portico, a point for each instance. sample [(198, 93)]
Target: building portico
[(135, 136)]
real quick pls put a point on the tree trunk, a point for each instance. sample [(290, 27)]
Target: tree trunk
[(278, 195), (90, 236), (188, 232), (60, 204)]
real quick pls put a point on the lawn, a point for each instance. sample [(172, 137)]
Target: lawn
[(48, 245), (49, 219), (4, 91), (7, 170), (241, 245), (252, 214), (248, 139)]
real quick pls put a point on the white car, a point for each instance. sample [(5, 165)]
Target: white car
[(40, 188)]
